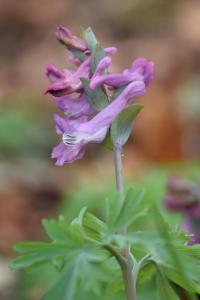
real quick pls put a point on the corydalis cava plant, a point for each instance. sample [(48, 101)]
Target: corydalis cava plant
[(89, 95), (94, 256)]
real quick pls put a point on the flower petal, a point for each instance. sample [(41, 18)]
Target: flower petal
[(70, 81), (65, 154), (65, 37), (53, 73)]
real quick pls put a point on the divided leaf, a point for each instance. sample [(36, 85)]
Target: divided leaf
[(113, 207), (183, 280), (32, 258), (146, 273), (132, 209), (76, 225), (94, 223), (164, 289), (55, 230), (64, 288)]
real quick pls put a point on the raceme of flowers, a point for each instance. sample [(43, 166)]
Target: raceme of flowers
[(89, 95)]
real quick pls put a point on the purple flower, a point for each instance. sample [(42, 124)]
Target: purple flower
[(141, 69), (53, 73), (74, 60), (74, 107), (181, 194), (74, 138), (66, 81), (62, 153), (184, 196), (65, 37), (110, 50), (192, 227), (177, 184), (80, 124), (65, 155), (63, 124)]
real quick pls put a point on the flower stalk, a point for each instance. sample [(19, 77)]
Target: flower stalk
[(119, 171), (127, 263)]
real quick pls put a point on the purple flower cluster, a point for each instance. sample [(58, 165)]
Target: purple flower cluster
[(184, 196), (82, 123)]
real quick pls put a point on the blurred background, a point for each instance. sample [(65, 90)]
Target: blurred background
[(166, 136)]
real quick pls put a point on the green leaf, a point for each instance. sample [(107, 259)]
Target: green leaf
[(116, 284), (146, 273), (33, 258), (81, 215), (180, 279), (132, 209), (83, 267), (25, 247), (90, 38), (94, 223), (183, 267), (58, 263), (97, 98), (113, 207), (193, 251), (55, 230), (164, 289), (178, 264), (95, 276), (121, 127), (76, 225), (79, 220), (64, 288), (180, 268)]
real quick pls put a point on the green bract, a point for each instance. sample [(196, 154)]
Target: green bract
[(97, 98), (121, 127)]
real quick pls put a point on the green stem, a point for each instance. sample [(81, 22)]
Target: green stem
[(129, 282), (119, 171), (127, 264)]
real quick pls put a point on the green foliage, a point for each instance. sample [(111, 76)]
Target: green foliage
[(84, 253), (164, 289), (64, 288), (131, 210)]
